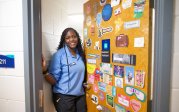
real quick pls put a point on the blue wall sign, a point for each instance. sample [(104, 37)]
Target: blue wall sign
[(7, 61)]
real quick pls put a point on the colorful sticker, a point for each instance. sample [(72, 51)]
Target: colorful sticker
[(113, 91), (102, 86), (117, 11), (129, 75), (136, 105), (105, 56), (88, 20), (124, 100), (139, 42), (102, 2), (134, 91), (92, 30), (107, 79), (91, 68), (96, 46), (106, 68), (96, 56), (139, 78), (106, 12), (119, 82), (109, 100), (85, 31), (95, 88), (118, 22), (101, 96), (119, 108), (91, 79), (97, 77), (102, 31), (139, 8), (122, 40), (106, 45), (98, 19), (118, 71), (91, 60), (94, 99), (88, 42), (105, 109), (126, 4), (88, 8), (132, 24), (114, 3)]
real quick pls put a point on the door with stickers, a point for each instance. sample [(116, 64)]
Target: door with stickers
[(117, 47)]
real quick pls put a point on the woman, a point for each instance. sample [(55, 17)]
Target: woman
[(68, 69)]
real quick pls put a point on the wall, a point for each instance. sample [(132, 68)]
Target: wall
[(12, 93), (175, 71)]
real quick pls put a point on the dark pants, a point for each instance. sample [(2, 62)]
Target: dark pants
[(69, 103)]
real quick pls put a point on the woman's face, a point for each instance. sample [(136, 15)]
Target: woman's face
[(71, 39)]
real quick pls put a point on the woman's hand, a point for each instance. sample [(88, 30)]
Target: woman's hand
[(44, 65)]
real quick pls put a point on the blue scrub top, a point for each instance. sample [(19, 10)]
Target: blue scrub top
[(67, 83)]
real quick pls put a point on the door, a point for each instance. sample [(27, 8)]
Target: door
[(118, 52)]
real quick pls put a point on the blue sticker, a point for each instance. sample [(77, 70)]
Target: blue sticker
[(7, 61), (98, 19), (106, 12), (106, 45)]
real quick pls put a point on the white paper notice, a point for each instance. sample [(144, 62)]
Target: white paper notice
[(139, 42)]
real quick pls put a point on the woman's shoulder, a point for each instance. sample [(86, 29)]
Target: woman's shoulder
[(59, 52)]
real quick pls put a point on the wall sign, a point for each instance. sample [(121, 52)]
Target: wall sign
[(7, 61)]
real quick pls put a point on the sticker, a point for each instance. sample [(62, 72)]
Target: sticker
[(107, 79), (114, 3), (124, 100), (96, 47), (134, 91), (95, 8), (88, 8), (105, 109), (139, 78), (106, 68), (113, 91), (102, 31), (91, 61), (91, 79), (101, 96), (7, 61), (106, 12), (88, 42), (126, 4), (139, 8), (94, 99), (94, 56), (119, 82), (118, 71), (117, 11), (95, 88), (102, 2), (118, 22), (102, 86), (88, 21), (106, 45), (85, 31), (132, 24), (98, 19), (92, 30), (124, 59), (109, 89), (139, 42), (105, 56), (136, 105), (122, 40), (91, 68), (129, 75), (119, 108), (97, 75), (109, 100)]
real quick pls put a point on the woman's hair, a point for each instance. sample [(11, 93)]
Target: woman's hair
[(62, 41)]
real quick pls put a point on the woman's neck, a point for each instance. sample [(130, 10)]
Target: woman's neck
[(72, 51)]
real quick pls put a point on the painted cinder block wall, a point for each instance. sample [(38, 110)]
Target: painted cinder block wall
[(12, 92)]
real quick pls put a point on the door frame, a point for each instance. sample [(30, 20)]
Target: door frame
[(162, 54), (32, 55)]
